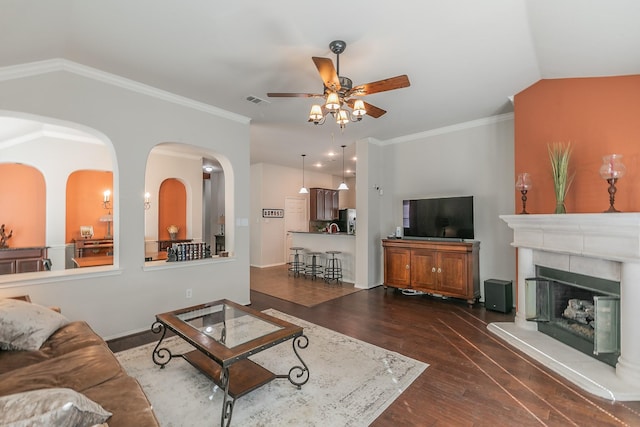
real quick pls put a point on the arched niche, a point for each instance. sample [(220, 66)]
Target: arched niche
[(207, 198), (56, 149), (23, 205), (172, 203), (85, 204)]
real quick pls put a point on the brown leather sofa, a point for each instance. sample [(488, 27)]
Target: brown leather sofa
[(76, 357)]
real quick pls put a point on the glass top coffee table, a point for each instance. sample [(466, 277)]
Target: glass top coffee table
[(224, 335)]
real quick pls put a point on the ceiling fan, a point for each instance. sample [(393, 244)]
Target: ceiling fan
[(339, 91)]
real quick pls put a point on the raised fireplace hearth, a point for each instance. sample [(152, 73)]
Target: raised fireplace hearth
[(576, 313)]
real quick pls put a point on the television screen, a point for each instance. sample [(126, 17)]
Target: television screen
[(439, 218)]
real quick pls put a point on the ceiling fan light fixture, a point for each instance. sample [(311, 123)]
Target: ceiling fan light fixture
[(315, 115), (358, 109), (338, 92), (333, 102), (342, 118)]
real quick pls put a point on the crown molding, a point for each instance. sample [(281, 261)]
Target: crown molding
[(48, 132), (449, 129), (59, 64)]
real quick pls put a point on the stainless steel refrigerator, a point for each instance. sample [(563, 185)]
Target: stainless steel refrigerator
[(347, 219)]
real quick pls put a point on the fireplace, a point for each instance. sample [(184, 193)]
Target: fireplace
[(589, 266), (578, 310)]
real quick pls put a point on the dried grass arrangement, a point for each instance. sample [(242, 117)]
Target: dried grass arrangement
[(560, 154)]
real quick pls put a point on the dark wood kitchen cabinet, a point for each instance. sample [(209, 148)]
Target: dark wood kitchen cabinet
[(324, 204)]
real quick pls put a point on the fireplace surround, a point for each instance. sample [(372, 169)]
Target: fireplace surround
[(602, 246), (578, 310)]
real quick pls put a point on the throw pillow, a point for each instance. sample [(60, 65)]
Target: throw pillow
[(50, 407), (25, 326)]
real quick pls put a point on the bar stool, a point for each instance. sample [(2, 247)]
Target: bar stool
[(333, 270), (313, 267), (296, 266)]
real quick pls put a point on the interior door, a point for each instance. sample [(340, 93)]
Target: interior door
[(295, 219)]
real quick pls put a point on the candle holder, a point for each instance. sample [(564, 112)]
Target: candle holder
[(106, 199), (611, 170), (147, 201), (523, 184)]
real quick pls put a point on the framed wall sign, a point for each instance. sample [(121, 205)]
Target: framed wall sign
[(273, 213)]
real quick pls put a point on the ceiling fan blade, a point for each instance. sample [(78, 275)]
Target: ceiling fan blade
[(380, 86), (327, 73), (294, 95), (372, 110)]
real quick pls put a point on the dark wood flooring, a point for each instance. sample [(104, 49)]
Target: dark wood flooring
[(474, 379)]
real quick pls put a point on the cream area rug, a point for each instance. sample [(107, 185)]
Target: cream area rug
[(351, 382)]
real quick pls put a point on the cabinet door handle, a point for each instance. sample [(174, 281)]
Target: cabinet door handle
[(407, 267), (433, 269), (439, 270)]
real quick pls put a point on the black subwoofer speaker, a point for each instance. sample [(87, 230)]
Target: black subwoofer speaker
[(498, 295)]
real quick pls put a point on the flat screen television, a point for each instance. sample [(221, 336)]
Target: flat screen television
[(438, 218)]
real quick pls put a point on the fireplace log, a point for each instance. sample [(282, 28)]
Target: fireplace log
[(580, 311)]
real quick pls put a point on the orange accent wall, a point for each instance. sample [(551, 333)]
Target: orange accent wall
[(23, 206), (172, 208), (84, 205), (599, 116)]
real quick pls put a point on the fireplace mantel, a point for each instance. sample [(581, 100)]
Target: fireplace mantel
[(603, 245), (612, 236)]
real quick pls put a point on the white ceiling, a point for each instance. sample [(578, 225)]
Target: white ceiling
[(464, 58)]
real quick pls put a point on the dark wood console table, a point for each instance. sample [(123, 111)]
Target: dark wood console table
[(447, 268), (93, 247), (22, 260)]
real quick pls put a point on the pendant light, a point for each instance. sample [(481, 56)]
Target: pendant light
[(343, 185), (303, 189)]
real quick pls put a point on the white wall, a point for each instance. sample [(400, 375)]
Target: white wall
[(348, 197), (369, 211), (270, 184), (132, 119), (476, 159)]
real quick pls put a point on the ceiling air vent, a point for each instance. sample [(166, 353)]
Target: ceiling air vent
[(256, 100)]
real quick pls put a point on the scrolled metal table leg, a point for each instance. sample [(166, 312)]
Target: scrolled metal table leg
[(161, 355), (227, 401), (299, 375)]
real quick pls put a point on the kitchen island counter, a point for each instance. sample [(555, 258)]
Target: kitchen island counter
[(321, 242)]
